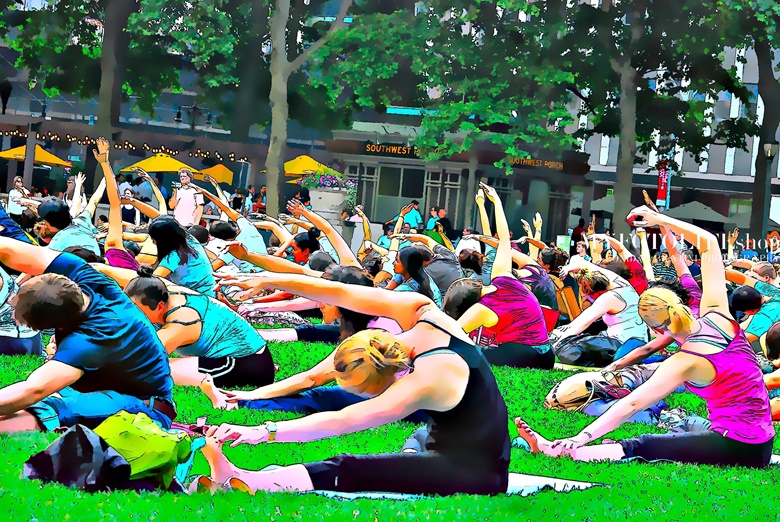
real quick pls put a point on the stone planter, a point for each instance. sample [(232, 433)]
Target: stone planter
[(328, 203)]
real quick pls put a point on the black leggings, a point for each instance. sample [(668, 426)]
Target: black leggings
[(707, 447), (520, 356), (233, 372), (428, 473)]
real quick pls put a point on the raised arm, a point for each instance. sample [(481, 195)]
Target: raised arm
[(440, 229), (96, 197), (220, 193), (115, 225), (502, 265), (417, 238), (279, 231), (231, 213), (674, 253), (533, 249), (732, 240), (163, 208), (644, 254), (75, 204), (405, 308), (147, 210), (346, 257), (484, 222), (740, 279), (713, 271), (534, 242)]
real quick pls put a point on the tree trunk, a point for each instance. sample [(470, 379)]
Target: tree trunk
[(769, 90), (280, 109), (112, 69), (624, 175), (245, 105)]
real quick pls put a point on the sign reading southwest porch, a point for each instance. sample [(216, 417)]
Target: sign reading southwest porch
[(534, 162), (390, 149)]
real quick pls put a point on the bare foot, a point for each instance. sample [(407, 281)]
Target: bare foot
[(221, 468), (216, 396), (536, 442)]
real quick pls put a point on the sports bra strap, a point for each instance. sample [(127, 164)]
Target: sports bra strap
[(428, 321), (175, 308), (442, 349)]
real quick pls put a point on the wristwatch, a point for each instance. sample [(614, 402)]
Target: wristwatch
[(270, 427)]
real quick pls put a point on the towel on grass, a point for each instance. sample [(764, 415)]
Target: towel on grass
[(519, 484)]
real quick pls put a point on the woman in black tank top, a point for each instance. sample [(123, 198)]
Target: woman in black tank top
[(424, 368)]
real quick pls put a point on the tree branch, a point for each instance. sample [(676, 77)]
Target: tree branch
[(585, 99), (335, 26)]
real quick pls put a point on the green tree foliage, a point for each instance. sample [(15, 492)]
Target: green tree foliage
[(63, 43)]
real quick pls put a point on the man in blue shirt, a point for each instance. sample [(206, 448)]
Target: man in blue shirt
[(411, 215), (108, 356), (60, 231), (10, 228)]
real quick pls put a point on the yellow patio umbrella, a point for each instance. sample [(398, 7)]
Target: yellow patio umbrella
[(303, 165), (219, 172), (42, 157), (160, 162)]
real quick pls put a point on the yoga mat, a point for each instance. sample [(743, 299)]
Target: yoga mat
[(519, 484)]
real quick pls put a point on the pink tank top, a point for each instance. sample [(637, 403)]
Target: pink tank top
[(737, 399)]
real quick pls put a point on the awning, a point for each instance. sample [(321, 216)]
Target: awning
[(697, 211), (219, 172), (160, 162), (42, 157), (304, 164)]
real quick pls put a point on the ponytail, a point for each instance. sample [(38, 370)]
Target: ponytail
[(369, 361), (412, 260), (308, 240), (148, 288)]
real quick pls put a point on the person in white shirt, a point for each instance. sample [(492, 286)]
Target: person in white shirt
[(18, 192), (186, 201), (123, 183), (468, 243)]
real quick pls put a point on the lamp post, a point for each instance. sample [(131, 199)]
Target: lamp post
[(193, 111)]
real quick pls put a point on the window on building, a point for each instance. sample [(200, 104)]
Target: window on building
[(739, 206)]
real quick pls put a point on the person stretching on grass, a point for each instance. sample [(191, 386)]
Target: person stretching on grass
[(431, 366), (505, 312), (209, 338), (715, 362), (107, 352)]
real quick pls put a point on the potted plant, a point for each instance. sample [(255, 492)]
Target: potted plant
[(330, 193)]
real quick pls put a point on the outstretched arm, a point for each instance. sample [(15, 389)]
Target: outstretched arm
[(147, 210), (272, 263), (520, 258), (405, 307), (231, 214), (162, 207), (713, 271), (346, 257), (24, 257)]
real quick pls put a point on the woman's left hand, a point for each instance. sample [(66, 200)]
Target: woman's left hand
[(572, 443), (295, 207), (538, 221), (644, 217), (241, 434), (490, 192)]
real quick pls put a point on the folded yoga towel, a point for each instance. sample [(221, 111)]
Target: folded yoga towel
[(519, 484)]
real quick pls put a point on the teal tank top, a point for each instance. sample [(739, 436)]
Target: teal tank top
[(224, 333)]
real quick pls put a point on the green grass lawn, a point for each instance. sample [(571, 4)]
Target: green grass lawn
[(636, 491)]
